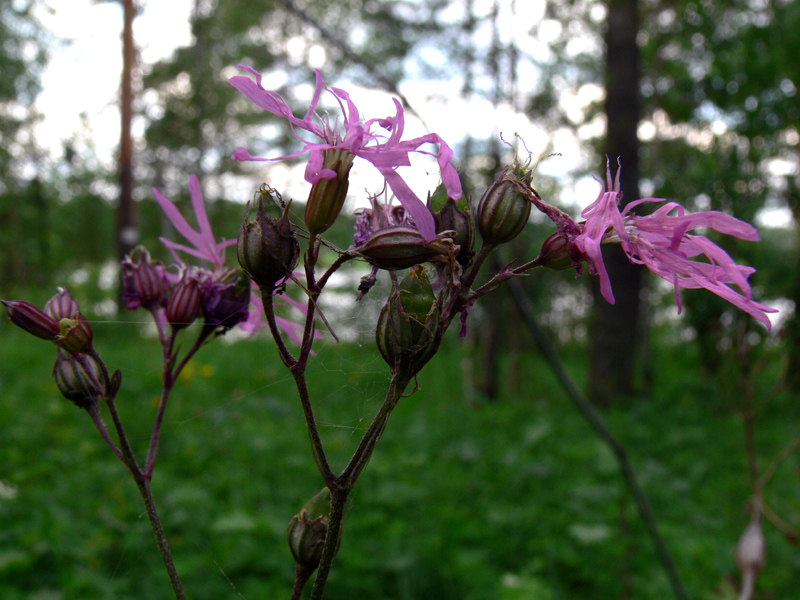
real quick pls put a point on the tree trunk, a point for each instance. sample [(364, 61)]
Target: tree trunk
[(615, 341), (127, 232), (793, 324)]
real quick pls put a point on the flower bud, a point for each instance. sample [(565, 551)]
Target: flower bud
[(76, 334), (409, 324), (267, 248), (143, 281), (505, 209), (400, 247), (309, 528), (78, 378), (184, 305), (327, 196), (555, 252), (62, 305), (36, 322)]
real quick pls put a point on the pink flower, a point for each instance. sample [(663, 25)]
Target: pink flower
[(386, 149), (203, 243), (255, 321), (661, 242), (205, 246)]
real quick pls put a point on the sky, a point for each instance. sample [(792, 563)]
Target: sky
[(81, 87), (83, 74)]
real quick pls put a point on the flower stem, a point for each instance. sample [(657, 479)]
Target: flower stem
[(125, 453), (94, 413), (367, 446), (161, 539), (593, 418), (269, 312), (170, 375), (297, 369), (298, 372), (346, 481), (301, 576), (338, 501)]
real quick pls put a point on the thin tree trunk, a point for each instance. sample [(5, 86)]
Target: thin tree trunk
[(127, 232), (793, 324), (615, 339)]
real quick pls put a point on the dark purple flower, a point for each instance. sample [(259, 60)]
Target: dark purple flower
[(206, 247), (225, 304), (184, 303), (62, 305)]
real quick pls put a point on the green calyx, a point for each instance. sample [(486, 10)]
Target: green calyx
[(504, 209), (309, 528), (409, 326), (327, 196), (267, 248)]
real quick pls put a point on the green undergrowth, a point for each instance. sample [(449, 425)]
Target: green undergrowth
[(513, 499)]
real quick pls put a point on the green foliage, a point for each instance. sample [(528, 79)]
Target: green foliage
[(21, 61), (513, 499)]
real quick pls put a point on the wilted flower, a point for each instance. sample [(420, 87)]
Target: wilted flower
[(661, 242), (225, 303), (408, 330), (504, 209), (455, 217), (267, 247), (386, 151), (401, 247), (79, 378), (308, 529), (76, 334), (379, 216)]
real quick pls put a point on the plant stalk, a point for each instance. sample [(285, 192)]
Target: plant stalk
[(161, 539)]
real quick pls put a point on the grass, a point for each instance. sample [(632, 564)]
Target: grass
[(513, 499)]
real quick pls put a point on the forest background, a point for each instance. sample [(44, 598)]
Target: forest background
[(488, 483)]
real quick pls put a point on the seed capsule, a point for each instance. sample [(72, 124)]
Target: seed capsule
[(505, 209), (78, 378), (400, 247), (267, 248), (408, 331), (309, 528)]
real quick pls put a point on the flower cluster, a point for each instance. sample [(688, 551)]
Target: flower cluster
[(178, 297), (220, 294)]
